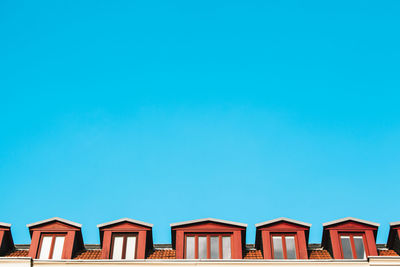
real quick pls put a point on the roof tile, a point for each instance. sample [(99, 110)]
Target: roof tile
[(254, 254), (387, 252), (319, 254), (17, 253), (163, 254), (92, 254)]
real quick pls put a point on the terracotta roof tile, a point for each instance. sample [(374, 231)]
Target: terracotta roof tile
[(17, 253), (319, 254), (254, 254), (163, 254), (387, 252), (92, 254)]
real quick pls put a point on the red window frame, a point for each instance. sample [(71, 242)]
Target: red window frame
[(208, 235), (125, 236), (53, 240), (353, 247), (282, 236)]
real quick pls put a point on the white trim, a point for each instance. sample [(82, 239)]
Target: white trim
[(5, 224), (55, 219), (350, 219), (125, 220), (395, 223), (283, 219), (208, 220)]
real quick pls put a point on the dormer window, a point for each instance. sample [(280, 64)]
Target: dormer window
[(51, 246), (55, 239), (284, 246), (208, 246), (352, 246), (123, 247), (350, 238), (125, 239), (283, 239), (208, 239)]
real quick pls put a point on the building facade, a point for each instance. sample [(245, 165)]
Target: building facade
[(211, 242)]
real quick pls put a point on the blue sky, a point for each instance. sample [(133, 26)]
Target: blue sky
[(165, 111)]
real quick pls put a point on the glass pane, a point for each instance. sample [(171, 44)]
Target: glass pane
[(202, 247), (58, 247), (290, 247), (190, 247), (45, 247), (130, 247), (359, 244), (346, 247), (278, 250), (226, 247), (214, 247), (117, 249)]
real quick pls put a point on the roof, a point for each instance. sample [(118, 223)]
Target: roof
[(350, 219), (125, 220), (282, 219), (55, 219), (5, 224), (395, 223), (208, 220)]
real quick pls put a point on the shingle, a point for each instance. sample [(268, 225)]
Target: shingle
[(387, 252), (93, 254), (17, 253), (319, 254), (254, 254), (163, 254)]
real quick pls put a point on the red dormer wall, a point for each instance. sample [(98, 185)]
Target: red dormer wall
[(300, 232), (72, 234), (394, 238), (144, 239), (334, 231), (238, 236), (6, 240)]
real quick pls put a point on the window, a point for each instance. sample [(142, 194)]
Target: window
[(51, 246), (352, 246), (123, 247), (284, 246), (208, 246)]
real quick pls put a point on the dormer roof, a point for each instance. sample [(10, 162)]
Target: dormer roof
[(78, 225), (350, 219), (208, 220), (283, 219), (2, 224), (125, 220)]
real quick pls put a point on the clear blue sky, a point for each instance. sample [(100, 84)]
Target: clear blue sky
[(165, 111)]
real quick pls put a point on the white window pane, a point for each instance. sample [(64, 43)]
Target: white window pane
[(190, 247), (58, 247), (278, 249), (45, 247), (226, 247), (359, 244), (130, 247), (117, 249), (214, 247), (346, 247), (202, 247), (290, 247)]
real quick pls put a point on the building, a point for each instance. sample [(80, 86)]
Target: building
[(58, 242)]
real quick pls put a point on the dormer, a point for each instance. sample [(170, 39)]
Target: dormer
[(394, 237), (208, 239), (283, 238), (125, 239), (55, 239), (350, 238), (6, 240)]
